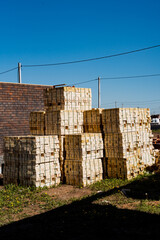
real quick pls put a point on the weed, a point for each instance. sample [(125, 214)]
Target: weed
[(149, 206), (17, 202), (14, 199)]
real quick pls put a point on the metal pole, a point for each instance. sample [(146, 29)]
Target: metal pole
[(99, 93), (19, 73)]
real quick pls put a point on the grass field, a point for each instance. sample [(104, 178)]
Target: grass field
[(141, 194), (112, 208)]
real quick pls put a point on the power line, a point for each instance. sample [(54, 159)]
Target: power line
[(93, 80), (135, 102), (12, 69), (92, 59), (136, 76), (141, 102), (109, 103), (114, 78)]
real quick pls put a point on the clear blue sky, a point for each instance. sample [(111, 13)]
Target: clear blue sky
[(49, 31)]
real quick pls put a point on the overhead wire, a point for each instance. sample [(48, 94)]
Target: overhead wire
[(150, 102), (136, 76), (78, 83), (141, 102), (91, 59), (9, 70), (114, 78)]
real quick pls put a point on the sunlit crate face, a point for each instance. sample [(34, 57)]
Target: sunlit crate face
[(63, 122), (68, 98)]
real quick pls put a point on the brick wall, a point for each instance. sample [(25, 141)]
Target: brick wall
[(16, 103)]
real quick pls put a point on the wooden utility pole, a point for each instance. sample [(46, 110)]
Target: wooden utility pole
[(19, 73), (99, 93)]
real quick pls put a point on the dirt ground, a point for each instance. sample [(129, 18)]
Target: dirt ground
[(66, 192)]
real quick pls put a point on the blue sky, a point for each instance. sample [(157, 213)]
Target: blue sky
[(48, 31)]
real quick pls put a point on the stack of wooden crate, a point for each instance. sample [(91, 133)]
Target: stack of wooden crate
[(32, 160), (59, 147), (68, 98), (92, 120), (64, 113), (64, 107), (83, 164), (127, 141)]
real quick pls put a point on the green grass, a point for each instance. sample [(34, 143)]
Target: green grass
[(149, 206), (156, 130), (108, 184), (143, 195), (15, 199), (17, 202)]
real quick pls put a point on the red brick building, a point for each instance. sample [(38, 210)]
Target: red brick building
[(16, 103)]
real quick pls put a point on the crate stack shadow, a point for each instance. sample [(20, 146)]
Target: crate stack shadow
[(75, 144)]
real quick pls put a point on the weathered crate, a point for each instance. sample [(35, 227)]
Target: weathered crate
[(67, 98), (84, 146), (127, 141), (32, 160), (125, 119), (37, 123), (127, 168), (93, 120), (63, 122), (84, 153), (83, 173)]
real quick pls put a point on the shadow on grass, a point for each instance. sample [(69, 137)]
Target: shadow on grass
[(84, 219), (145, 188)]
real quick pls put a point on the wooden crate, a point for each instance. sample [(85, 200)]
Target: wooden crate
[(83, 164), (124, 168), (63, 122), (67, 98), (32, 160), (37, 123), (127, 141), (93, 120), (125, 119), (84, 146), (83, 173), (125, 144)]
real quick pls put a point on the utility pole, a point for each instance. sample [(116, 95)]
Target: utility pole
[(19, 73), (99, 93)]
